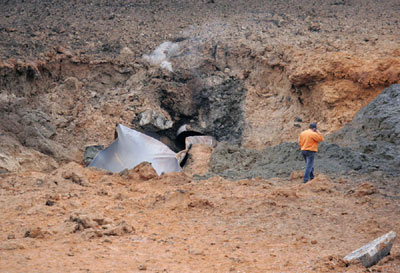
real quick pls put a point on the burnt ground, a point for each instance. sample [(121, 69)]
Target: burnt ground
[(368, 145)]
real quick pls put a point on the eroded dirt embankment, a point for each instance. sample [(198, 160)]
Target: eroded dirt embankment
[(367, 145), (254, 73), (54, 108)]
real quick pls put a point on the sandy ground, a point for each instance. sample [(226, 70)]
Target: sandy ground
[(92, 221)]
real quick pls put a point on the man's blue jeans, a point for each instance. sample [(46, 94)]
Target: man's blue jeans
[(309, 171)]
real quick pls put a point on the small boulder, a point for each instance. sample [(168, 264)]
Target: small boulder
[(35, 233), (75, 177), (91, 152), (83, 222), (365, 189), (152, 121), (371, 253), (142, 172), (118, 230)]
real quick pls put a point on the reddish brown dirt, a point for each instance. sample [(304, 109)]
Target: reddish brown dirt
[(177, 224), (81, 64)]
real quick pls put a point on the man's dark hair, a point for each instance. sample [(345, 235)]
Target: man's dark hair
[(313, 126)]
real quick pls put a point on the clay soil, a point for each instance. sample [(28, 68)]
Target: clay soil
[(176, 224), (71, 70)]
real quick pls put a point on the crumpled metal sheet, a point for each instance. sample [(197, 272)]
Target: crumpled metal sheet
[(132, 148)]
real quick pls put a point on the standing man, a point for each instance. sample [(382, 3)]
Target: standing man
[(308, 142)]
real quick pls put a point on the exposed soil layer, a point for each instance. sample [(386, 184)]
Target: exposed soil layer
[(375, 130), (369, 144), (253, 74)]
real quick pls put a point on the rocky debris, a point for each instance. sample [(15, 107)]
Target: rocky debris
[(36, 233), (125, 53), (208, 100), (10, 246), (371, 253), (204, 140), (85, 221), (142, 172), (33, 129), (152, 121), (118, 230), (15, 157), (91, 152), (49, 203), (198, 161), (219, 103), (75, 177), (368, 144), (375, 131), (97, 226), (200, 204), (71, 172), (235, 162), (365, 189)]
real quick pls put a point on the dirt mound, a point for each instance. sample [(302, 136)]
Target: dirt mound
[(375, 131), (369, 143), (236, 162)]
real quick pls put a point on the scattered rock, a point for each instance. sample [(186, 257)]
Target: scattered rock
[(35, 233), (83, 222), (152, 121), (142, 172), (365, 189), (74, 177), (296, 175), (96, 226), (314, 27), (118, 230), (126, 52), (91, 152), (11, 246), (200, 203), (371, 253), (49, 203), (289, 194), (375, 132), (198, 161), (338, 2), (198, 252), (142, 267)]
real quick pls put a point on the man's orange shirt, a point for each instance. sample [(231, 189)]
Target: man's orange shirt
[(309, 139)]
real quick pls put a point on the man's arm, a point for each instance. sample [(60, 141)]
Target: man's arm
[(301, 141), (317, 136)]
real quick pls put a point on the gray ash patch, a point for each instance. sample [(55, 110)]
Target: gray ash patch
[(234, 162), (368, 144)]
